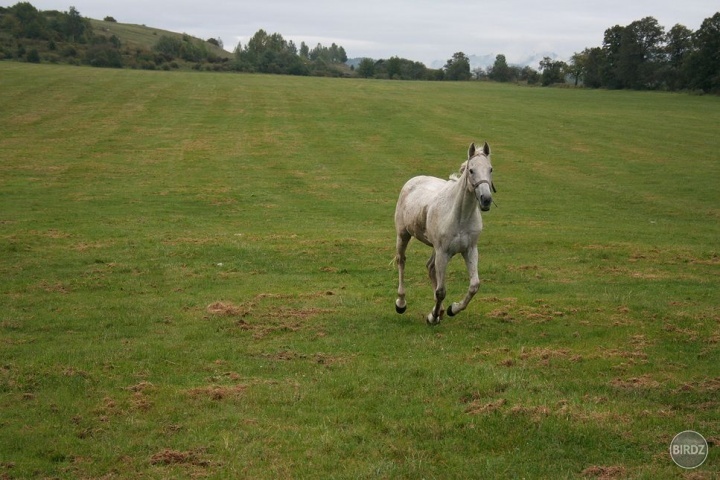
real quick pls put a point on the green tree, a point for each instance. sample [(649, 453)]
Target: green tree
[(26, 21), (641, 54), (394, 68), (678, 49), (552, 71), (270, 54), (458, 67), (704, 61), (33, 56), (593, 67), (169, 46), (366, 68), (75, 27), (304, 50), (103, 55), (612, 42), (500, 71), (577, 66), (529, 75)]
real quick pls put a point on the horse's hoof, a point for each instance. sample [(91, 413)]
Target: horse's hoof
[(450, 312), (432, 321), (400, 310)]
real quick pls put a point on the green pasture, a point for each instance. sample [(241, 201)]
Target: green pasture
[(196, 280)]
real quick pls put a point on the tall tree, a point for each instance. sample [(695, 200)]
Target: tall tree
[(366, 68), (649, 36), (704, 62), (26, 21), (552, 71), (612, 42), (304, 50), (75, 26), (458, 67), (678, 48), (595, 60), (500, 70)]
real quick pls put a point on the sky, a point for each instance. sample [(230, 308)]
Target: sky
[(421, 30)]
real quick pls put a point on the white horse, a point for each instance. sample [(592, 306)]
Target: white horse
[(445, 214)]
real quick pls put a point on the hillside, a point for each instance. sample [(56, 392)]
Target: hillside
[(31, 35), (147, 37), (35, 36)]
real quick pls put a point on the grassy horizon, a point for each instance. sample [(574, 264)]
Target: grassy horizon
[(196, 279)]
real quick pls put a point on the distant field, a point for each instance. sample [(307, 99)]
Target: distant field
[(195, 280)]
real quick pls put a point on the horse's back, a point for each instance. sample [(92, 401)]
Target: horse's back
[(422, 188), (415, 197)]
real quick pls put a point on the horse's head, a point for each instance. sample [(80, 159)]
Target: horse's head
[(478, 171)]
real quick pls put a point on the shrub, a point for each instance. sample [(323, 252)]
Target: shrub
[(33, 56)]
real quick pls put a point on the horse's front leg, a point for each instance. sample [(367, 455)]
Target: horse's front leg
[(471, 262), (436, 268)]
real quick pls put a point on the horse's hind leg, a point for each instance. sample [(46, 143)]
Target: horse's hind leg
[(436, 271), (431, 271), (401, 246)]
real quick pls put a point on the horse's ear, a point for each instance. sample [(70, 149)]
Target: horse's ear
[(471, 150), (486, 149)]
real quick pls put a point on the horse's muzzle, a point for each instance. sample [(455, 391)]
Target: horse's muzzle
[(485, 203)]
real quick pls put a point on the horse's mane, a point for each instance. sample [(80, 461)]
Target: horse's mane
[(454, 177)]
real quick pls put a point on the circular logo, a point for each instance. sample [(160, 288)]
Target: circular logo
[(688, 449)]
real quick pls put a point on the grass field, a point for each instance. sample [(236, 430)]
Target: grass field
[(195, 280)]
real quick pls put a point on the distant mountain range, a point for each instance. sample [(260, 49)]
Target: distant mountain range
[(484, 61)]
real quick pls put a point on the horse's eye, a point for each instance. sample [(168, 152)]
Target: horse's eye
[(472, 171), (490, 169)]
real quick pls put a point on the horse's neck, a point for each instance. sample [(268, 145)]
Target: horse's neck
[(464, 203)]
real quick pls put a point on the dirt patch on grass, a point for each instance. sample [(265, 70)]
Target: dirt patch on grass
[(175, 457), (544, 353), (226, 309), (139, 400), (218, 392), (477, 407), (56, 287), (690, 335), (268, 317), (253, 306), (260, 331), (643, 382), (544, 356), (605, 473), (535, 412), (710, 385), (319, 358)]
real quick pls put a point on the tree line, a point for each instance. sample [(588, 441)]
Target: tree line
[(271, 53), (641, 55)]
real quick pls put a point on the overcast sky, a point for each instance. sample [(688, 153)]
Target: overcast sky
[(421, 30)]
